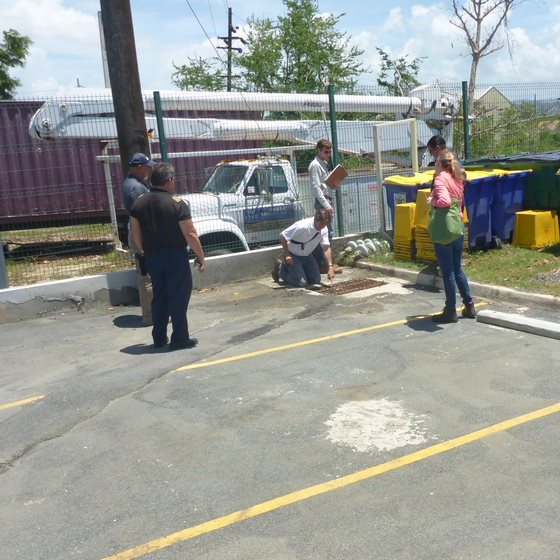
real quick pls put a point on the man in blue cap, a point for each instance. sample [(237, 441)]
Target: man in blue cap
[(134, 185)]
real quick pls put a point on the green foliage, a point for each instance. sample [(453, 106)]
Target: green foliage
[(200, 75), (403, 72), (300, 52), (517, 128), (535, 271), (13, 51)]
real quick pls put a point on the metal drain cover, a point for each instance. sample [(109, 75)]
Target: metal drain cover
[(350, 286)]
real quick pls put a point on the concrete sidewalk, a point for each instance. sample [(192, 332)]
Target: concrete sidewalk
[(119, 288)]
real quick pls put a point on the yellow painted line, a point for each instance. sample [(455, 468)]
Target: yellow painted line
[(298, 344), (302, 343), (311, 491), (22, 402)]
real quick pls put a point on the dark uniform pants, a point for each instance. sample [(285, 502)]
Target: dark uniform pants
[(172, 287)]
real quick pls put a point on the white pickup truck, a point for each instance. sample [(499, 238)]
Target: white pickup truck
[(245, 204)]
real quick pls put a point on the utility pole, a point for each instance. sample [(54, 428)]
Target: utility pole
[(125, 79), (229, 46)]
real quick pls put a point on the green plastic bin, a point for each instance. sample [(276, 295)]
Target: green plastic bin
[(543, 186)]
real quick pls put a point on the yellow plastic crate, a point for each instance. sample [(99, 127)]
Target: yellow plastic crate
[(422, 217), (404, 220), (536, 228)]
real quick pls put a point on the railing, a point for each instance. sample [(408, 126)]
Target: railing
[(61, 209)]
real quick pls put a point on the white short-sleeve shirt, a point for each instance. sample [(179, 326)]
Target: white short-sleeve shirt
[(303, 237)]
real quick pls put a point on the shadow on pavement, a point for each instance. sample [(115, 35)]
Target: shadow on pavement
[(422, 323), (138, 349), (128, 322)]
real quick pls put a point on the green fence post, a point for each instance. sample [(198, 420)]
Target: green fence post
[(4, 282), (332, 111), (466, 127), (161, 129)]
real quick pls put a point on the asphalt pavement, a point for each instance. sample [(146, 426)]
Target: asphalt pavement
[(303, 426)]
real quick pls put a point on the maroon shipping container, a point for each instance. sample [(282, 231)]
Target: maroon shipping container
[(60, 182)]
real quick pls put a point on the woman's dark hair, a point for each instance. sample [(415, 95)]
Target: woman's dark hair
[(436, 141)]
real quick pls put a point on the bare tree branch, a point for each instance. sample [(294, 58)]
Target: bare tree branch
[(473, 17)]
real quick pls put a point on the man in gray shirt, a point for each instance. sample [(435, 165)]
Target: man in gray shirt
[(134, 185)]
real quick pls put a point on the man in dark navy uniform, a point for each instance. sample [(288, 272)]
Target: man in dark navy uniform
[(134, 185), (162, 227)]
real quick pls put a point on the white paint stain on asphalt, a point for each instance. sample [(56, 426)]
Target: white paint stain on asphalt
[(376, 425)]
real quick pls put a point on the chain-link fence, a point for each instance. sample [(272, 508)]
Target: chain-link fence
[(241, 161)]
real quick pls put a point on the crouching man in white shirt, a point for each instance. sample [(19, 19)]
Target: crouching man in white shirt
[(300, 268)]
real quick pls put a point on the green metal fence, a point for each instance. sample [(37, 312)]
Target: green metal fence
[(61, 210)]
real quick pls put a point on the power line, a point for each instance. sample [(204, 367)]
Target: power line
[(204, 30)]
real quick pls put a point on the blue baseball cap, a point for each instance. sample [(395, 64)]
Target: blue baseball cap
[(140, 159)]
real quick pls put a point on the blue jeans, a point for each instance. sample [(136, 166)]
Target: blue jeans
[(302, 272), (449, 260)]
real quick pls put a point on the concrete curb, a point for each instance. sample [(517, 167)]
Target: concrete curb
[(24, 302), (120, 288), (431, 280), (519, 323)]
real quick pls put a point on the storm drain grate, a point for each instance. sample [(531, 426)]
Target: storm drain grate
[(350, 286)]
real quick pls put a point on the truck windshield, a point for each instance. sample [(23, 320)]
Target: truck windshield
[(225, 179)]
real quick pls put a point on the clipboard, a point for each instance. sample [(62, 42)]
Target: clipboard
[(336, 176)]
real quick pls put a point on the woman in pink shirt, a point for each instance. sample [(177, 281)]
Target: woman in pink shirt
[(449, 183)]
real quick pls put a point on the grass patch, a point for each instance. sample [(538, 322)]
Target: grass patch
[(92, 232), (526, 270), (46, 269)]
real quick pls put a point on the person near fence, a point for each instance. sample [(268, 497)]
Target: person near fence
[(448, 190), (435, 145), (134, 185), (318, 171), (162, 228), (299, 267)]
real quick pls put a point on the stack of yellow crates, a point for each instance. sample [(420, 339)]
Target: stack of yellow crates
[(404, 231), (424, 245)]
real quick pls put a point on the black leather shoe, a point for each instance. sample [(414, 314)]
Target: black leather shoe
[(190, 343), (469, 311), (447, 316), (162, 343)]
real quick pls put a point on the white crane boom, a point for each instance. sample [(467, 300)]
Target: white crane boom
[(86, 113)]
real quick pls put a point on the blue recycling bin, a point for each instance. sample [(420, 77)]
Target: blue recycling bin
[(400, 189), (479, 193), (508, 198), (542, 192)]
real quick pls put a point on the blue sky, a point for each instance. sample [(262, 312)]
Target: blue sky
[(67, 46)]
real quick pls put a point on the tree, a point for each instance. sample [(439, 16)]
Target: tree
[(200, 75), (404, 73), (480, 21), (301, 52), (13, 51)]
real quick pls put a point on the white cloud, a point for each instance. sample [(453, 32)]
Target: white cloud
[(530, 62), (394, 22), (67, 44), (50, 23)]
